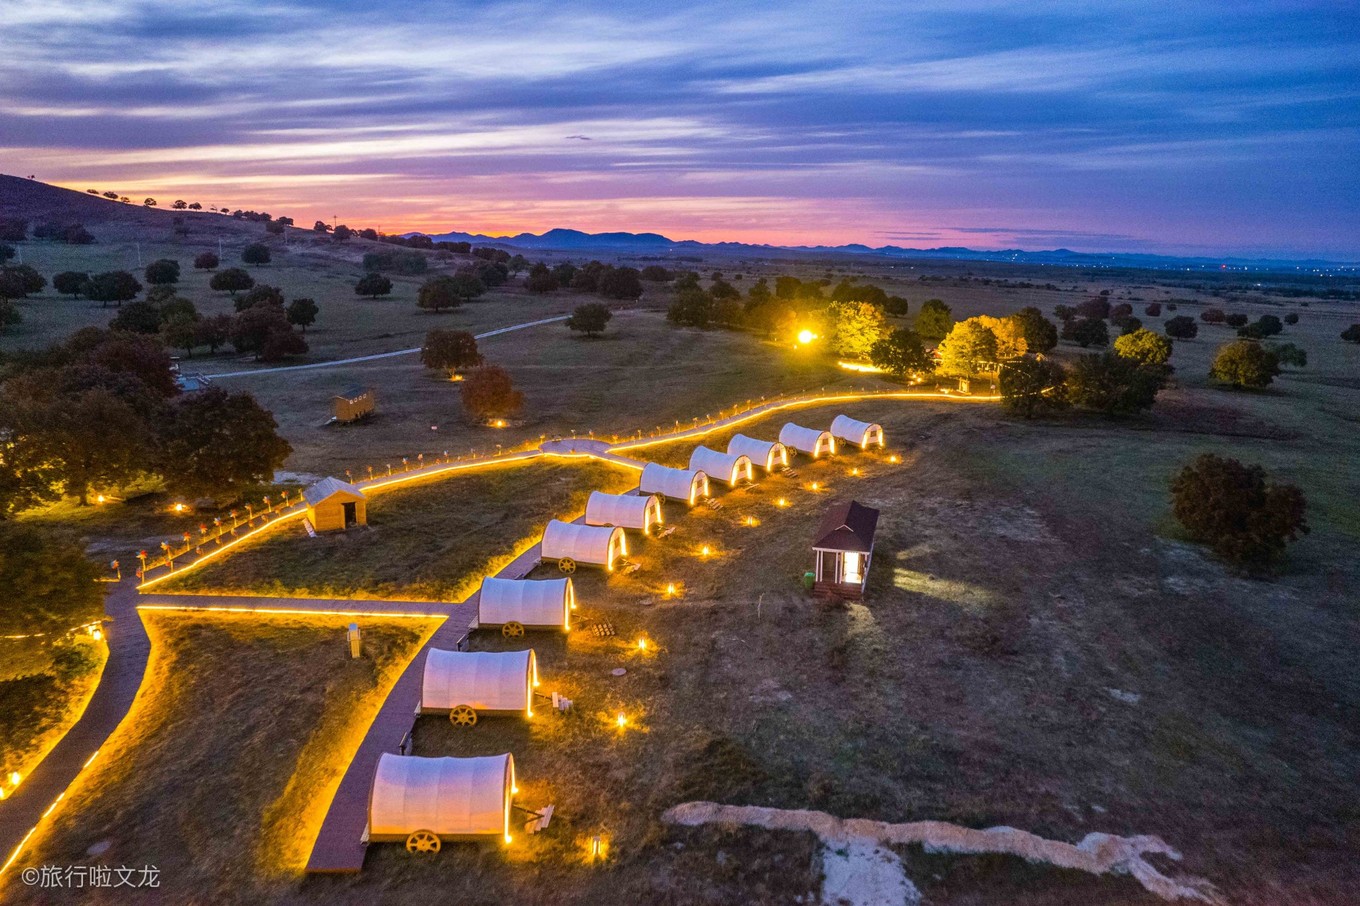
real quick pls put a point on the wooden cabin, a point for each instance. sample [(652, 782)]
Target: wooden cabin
[(843, 548), (352, 404), (334, 505)]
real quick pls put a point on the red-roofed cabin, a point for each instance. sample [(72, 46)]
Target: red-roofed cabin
[(843, 547)]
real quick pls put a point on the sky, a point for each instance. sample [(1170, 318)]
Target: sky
[(1187, 128)]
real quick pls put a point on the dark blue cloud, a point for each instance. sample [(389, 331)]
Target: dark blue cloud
[(1127, 125)]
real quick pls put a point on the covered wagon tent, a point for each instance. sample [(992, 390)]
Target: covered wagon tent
[(676, 484), (464, 684), (424, 801), (807, 440), (729, 468), (572, 544), (335, 505), (352, 404), (861, 434), (630, 511), (843, 547), (519, 604), (768, 454)]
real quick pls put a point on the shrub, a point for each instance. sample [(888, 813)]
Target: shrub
[(1245, 363), (1235, 510), (1291, 318)]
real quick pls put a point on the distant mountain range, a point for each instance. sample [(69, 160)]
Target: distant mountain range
[(565, 240)]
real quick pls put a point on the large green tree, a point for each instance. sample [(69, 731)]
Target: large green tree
[(1033, 387), (450, 351), (215, 444), (969, 350), (590, 319), (373, 286), (1237, 511), (1039, 333), (53, 588), (902, 353), (934, 320), (856, 327), (1112, 384), (1144, 347), (489, 393)]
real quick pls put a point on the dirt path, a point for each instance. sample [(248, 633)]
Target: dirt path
[(1097, 853)]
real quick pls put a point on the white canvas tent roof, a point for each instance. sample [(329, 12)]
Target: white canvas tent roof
[(729, 468), (767, 453), (482, 680), (530, 602), (634, 511), (451, 797), (861, 434), (807, 440), (599, 545), (677, 484)]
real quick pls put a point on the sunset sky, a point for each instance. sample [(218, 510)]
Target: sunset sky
[(1187, 128)]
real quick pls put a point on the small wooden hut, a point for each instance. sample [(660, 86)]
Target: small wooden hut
[(335, 505), (842, 548), (352, 404)]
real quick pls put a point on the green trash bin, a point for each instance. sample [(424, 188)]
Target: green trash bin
[(809, 579)]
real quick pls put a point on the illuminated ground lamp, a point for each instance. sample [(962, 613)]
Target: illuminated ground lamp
[(855, 471), (782, 502), (498, 423), (751, 521), (670, 589), (100, 499), (178, 508), (705, 551), (894, 458), (805, 337), (642, 644), (597, 848), (96, 633), (15, 776), (621, 721)]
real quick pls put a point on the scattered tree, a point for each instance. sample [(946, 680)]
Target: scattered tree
[(302, 312), (540, 279), (933, 321), (439, 293), (20, 281), (9, 315), (1112, 384), (1182, 327), (450, 351), (321, 226), (163, 271), (1086, 332), (693, 307), (620, 283), (264, 331), (112, 286), (1235, 319), (1033, 386), (1245, 363), (1237, 511), (6, 253), (856, 327), (1292, 318), (1039, 333), (261, 294), (206, 261), (60, 587), (902, 353), (1291, 355), (71, 283), (373, 286), (1153, 310), (1213, 316), (256, 253), (655, 273), (1144, 347), (232, 280), (1351, 334), (489, 393), (590, 318), (213, 332), (969, 350), (137, 317)]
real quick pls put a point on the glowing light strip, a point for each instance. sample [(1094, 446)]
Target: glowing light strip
[(387, 481), (767, 408), (218, 551), (18, 849), (287, 611)]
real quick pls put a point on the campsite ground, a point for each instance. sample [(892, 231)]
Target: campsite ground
[(1039, 646)]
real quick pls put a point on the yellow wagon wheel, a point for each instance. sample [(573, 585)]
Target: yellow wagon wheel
[(567, 565), (422, 841), (463, 716), (513, 630)]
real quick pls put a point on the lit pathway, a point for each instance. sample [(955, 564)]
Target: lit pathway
[(339, 845), (357, 360), (46, 785)]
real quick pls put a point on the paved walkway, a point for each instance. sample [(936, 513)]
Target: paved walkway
[(339, 845), (39, 792), (358, 360), (283, 606)]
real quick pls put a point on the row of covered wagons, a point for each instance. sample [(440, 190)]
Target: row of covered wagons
[(423, 801)]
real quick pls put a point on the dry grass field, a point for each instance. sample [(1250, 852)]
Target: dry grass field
[(1040, 647)]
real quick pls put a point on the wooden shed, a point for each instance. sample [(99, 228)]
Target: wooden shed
[(842, 548), (353, 403), (335, 505)]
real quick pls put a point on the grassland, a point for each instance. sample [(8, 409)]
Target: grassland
[(242, 728)]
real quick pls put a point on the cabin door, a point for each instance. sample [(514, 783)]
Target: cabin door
[(854, 568), (351, 514)]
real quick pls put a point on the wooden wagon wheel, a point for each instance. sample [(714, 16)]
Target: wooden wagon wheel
[(513, 630), (567, 565), (463, 716), (422, 841)]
